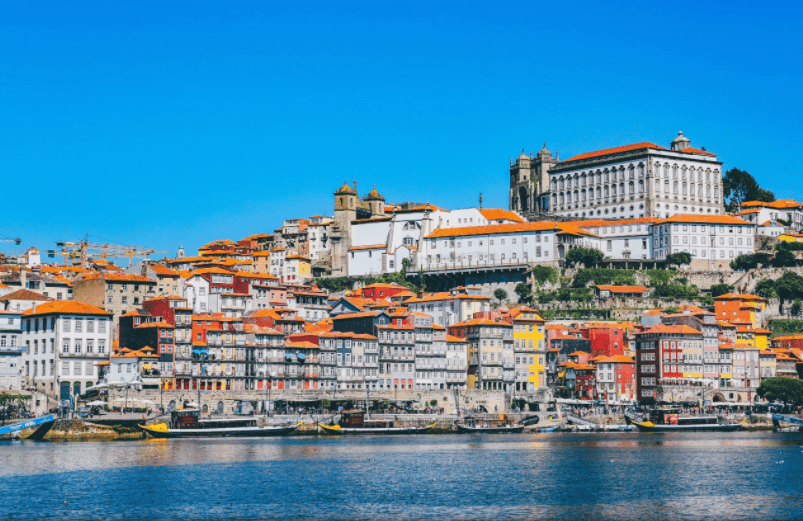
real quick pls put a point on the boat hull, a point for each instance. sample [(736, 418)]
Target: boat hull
[(336, 430), (235, 432), (465, 429), (687, 428)]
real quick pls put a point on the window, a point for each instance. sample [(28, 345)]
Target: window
[(66, 325)]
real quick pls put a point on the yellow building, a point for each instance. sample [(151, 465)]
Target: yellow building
[(762, 338), (297, 269), (791, 237), (529, 348), (767, 363)]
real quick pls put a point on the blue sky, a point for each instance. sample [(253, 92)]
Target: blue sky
[(175, 123)]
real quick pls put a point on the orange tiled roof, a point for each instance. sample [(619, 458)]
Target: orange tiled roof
[(161, 270), (780, 203), (615, 150), (616, 359), (594, 223), (492, 229), (692, 150), (25, 294), (120, 277), (480, 322), (493, 214), (161, 323), (371, 247), (739, 296), (450, 338), (681, 329), (444, 295), (705, 219), (67, 307)]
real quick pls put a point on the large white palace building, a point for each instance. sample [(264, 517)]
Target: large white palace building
[(627, 182)]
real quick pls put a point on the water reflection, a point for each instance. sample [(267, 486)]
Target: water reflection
[(606, 475)]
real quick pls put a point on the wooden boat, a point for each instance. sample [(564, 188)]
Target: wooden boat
[(186, 423), (668, 420), (354, 422), (500, 425), (33, 429)]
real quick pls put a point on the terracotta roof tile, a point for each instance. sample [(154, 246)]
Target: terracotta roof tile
[(67, 307), (615, 150)]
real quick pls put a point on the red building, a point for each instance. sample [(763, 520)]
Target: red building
[(659, 357), (380, 291), (605, 341)]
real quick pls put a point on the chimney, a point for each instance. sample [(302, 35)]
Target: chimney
[(23, 277)]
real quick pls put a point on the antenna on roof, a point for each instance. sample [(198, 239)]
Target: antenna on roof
[(480, 200)]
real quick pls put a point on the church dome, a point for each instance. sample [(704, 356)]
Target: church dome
[(345, 189), (523, 155), (374, 195), (681, 142), (680, 138)]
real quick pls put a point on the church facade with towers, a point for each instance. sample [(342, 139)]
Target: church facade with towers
[(627, 182), (349, 207)]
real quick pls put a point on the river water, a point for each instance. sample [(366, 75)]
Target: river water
[(525, 476)]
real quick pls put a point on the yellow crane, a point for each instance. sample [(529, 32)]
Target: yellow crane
[(82, 250)]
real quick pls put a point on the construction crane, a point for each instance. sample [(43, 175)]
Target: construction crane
[(15, 240), (81, 251)]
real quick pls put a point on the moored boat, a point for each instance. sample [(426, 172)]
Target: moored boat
[(668, 420), (354, 422), (186, 423), (500, 425)]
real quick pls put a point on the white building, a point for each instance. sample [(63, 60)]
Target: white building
[(318, 232), (63, 341), (636, 181), (787, 210), (11, 350), (450, 307), (770, 229), (430, 353), (712, 240), (380, 244), (501, 244), (627, 239), (456, 362), (196, 291)]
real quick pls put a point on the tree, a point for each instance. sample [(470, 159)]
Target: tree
[(678, 259), (791, 246), (766, 289), (524, 291), (749, 262), (739, 186), (789, 286), (500, 294), (780, 389), (585, 256), (406, 265), (784, 258), (720, 289), (796, 305)]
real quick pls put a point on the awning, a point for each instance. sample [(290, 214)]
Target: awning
[(147, 367), (301, 356)]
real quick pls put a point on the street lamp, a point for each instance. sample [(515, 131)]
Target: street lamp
[(271, 376)]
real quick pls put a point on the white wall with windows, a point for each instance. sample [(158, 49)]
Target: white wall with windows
[(63, 349)]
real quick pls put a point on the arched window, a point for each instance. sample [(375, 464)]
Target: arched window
[(675, 188), (630, 187), (622, 188), (641, 186), (666, 186)]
